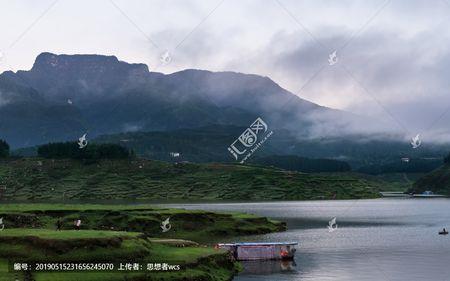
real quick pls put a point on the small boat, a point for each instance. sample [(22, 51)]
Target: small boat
[(260, 251), (443, 232)]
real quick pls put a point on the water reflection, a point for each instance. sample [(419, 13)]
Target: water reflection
[(265, 267), (394, 240)]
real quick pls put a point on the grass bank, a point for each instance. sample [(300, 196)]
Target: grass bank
[(87, 246), (196, 225), (121, 234)]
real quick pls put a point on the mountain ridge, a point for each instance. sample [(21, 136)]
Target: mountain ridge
[(64, 96)]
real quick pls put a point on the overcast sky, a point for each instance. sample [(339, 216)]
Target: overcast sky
[(393, 57)]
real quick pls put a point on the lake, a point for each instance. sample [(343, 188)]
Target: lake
[(380, 239)]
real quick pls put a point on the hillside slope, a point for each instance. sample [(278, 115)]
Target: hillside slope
[(437, 181), (209, 144), (39, 179)]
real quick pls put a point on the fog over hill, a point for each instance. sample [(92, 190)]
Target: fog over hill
[(64, 96)]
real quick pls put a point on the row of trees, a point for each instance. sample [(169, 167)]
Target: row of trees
[(71, 150), (289, 162)]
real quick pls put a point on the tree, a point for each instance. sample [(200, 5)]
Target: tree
[(4, 149)]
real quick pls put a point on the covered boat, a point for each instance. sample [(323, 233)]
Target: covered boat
[(261, 251)]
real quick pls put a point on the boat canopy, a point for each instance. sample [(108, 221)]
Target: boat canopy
[(258, 244)]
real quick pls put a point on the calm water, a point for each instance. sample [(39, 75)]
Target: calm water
[(384, 239)]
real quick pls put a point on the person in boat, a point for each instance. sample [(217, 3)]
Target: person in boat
[(444, 231)]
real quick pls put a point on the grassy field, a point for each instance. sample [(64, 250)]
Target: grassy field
[(119, 234), (66, 234), (139, 179), (87, 246)]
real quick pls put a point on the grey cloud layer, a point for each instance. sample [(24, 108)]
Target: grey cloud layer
[(402, 56)]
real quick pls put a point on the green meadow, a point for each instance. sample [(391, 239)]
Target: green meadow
[(43, 246), (119, 234)]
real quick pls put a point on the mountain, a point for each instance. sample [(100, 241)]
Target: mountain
[(63, 96)]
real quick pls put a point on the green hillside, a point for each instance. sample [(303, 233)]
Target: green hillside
[(139, 179), (437, 181)]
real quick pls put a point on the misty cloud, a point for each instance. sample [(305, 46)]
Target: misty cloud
[(399, 61)]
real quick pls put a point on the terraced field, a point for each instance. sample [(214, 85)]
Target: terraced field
[(139, 179)]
